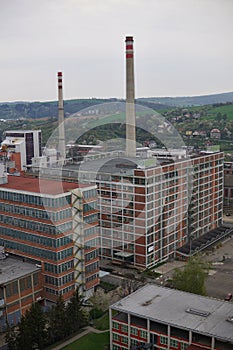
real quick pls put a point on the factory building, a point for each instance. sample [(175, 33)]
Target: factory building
[(151, 202), (20, 286), (55, 224), (148, 212), (158, 318)]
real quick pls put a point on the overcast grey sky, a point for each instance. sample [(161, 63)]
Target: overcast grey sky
[(182, 47)]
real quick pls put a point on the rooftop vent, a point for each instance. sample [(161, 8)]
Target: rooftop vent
[(148, 302), (198, 312)]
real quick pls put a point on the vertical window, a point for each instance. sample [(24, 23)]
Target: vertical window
[(163, 340), (115, 325)]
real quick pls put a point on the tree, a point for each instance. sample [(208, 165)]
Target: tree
[(219, 116), (192, 278), (74, 312), (32, 332), (130, 284), (224, 117), (10, 337), (58, 324)]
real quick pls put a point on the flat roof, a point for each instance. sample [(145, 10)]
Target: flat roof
[(12, 269), (20, 131), (169, 306), (121, 164), (44, 186)]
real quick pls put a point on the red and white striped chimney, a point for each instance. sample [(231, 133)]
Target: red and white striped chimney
[(130, 96), (61, 129)]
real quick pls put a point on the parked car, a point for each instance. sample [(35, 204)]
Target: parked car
[(228, 297)]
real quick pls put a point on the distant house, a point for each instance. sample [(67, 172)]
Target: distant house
[(202, 133), (215, 134), (196, 133)]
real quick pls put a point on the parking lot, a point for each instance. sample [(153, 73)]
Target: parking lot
[(220, 279)]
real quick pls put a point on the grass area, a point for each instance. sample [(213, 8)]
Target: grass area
[(213, 111), (89, 342), (107, 286), (104, 120), (151, 273), (227, 109), (102, 323)]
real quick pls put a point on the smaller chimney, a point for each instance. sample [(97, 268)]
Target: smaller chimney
[(61, 143), (130, 96)]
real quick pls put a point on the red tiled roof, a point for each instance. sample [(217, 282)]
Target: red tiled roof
[(36, 185)]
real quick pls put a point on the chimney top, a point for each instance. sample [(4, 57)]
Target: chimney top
[(129, 38)]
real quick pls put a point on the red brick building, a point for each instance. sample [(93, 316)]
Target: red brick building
[(160, 318), (55, 224), (149, 208), (20, 286)]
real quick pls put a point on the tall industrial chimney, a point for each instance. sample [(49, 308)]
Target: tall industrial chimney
[(130, 95), (61, 129)]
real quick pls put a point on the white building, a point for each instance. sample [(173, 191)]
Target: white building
[(25, 142)]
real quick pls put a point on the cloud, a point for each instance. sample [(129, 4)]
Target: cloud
[(182, 47)]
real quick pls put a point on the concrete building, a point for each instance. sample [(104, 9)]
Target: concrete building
[(20, 286), (55, 224), (149, 208), (27, 143), (159, 318)]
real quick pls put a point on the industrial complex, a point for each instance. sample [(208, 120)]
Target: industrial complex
[(136, 207)]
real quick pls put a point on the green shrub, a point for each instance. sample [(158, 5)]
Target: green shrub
[(96, 313)]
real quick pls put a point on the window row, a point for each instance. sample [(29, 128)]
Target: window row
[(59, 281), (94, 230), (92, 267), (36, 213), (90, 218), (92, 278), (92, 243), (35, 226), (60, 292), (89, 206), (37, 252), (46, 241), (36, 200), (90, 194), (59, 268), (92, 255)]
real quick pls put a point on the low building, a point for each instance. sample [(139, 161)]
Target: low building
[(160, 318), (20, 286)]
